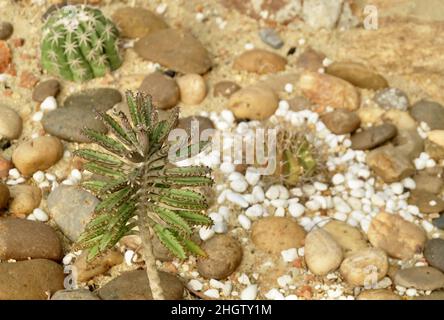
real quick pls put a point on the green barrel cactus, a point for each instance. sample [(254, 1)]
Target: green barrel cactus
[(79, 43)]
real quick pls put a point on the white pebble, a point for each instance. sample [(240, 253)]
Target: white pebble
[(338, 178), (39, 176), (288, 88), (272, 193), (252, 176), (239, 185), (38, 116), (244, 221), (274, 294), (195, 285), (161, 8), (128, 257), (40, 215), (258, 194), (296, 209), (212, 293), (14, 173), (249, 293), (254, 211), (397, 188), (31, 217), (284, 280), (280, 212), (409, 183), (206, 233), (227, 167), (48, 104), (237, 199)]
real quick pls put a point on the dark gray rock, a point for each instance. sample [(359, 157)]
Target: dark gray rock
[(434, 253), (429, 112)]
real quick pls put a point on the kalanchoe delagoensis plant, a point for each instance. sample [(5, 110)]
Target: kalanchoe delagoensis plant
[(79, 43), (140, 190)]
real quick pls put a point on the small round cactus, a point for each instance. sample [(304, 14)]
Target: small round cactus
[(79, 43)]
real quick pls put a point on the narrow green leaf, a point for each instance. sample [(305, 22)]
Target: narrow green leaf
[(173, 219), (114, 199), (106, 142), (195, 218), (104, 171), (93, 155), (135, 116), (168, 239)]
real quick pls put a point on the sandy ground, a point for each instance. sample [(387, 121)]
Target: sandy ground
[(407, 49)]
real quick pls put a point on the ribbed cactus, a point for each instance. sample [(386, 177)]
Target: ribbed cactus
[(79, 43)]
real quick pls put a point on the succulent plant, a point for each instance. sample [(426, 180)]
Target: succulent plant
[(79, 43), (299, 157), (140, 189)]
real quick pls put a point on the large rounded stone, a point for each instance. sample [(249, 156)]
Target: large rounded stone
[(163, 90), (21, 239), (33, 279), (365, 267), (401, 239), (44, 89), (322, 253), (275, 234), (100, 99), (134, 285), (24, 199), (137, 22), (421, 278), (71, 208), (175, 49), (254, 103), (224, 256), (37, 154), (326, 90), (349, 238)]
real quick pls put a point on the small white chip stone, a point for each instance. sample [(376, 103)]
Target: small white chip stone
[(40, 215), (289, 255), (49, 104), (249, 293), (244, 222), (195, 285)]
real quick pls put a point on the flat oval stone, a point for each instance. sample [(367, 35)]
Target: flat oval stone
[(427, 202), (175, 49), (421, 278), (44, 89), (134, 285), (358, 75), (373, 137), (21, 239), (341, 121), (67, 123), (163, 90), (429, 112), (137, 22), (225, 88), (428, 183), (434, 253), (260, 61), (100, 99), (34, 279)]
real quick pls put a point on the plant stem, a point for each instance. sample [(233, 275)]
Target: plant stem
[(149, 258)]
